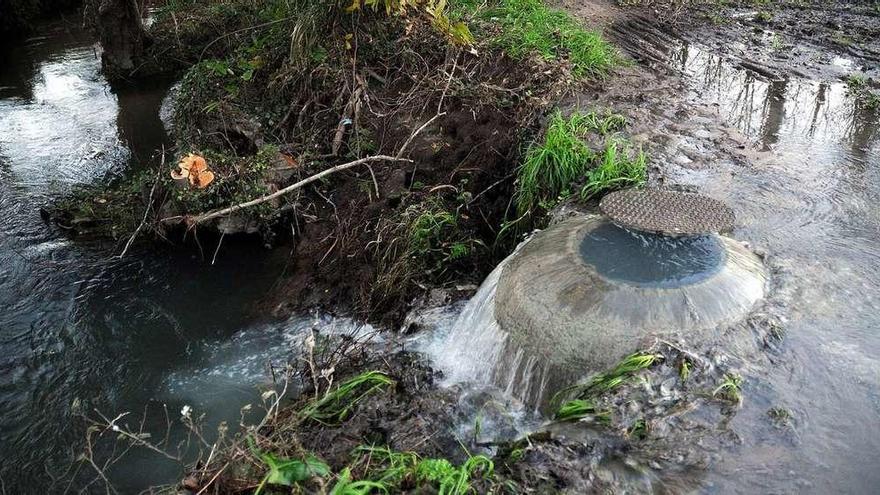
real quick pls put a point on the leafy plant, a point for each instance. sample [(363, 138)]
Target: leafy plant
[(391, 469), (730, 388), (345, 486), (288, 472), (451, 480)]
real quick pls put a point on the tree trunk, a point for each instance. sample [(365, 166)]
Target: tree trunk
[(120, 29)]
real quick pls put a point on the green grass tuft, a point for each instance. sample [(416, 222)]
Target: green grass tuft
[(552, 167), (730, 389), (856, 81), (578, 409), (618, 169), (611, 379), (335, 406), (530, 27)]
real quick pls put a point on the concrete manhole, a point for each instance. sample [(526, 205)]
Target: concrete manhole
[(584, 293)]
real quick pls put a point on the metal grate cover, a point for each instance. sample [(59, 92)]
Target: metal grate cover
[(667, 212)]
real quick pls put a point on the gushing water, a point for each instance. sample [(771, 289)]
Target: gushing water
[(477, 350)]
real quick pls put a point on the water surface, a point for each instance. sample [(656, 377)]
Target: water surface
[(80, 330), (812, 200)]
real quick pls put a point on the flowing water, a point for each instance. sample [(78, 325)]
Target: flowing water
[(81, 331), (811, 201)]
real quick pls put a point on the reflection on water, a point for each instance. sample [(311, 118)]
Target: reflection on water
[(80, 331), (820, 113), (814, 203)]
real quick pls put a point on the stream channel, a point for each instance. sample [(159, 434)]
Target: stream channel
[(82, 331)]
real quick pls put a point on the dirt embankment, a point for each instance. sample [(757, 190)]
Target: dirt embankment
[(281, 95), (649, 436)]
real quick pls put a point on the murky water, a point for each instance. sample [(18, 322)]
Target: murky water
[(812, 202), (651, 260), (81, 331)]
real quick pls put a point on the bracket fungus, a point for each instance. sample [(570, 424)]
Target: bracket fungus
[(195, 169)]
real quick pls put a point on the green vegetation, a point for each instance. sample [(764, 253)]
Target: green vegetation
[(638, 430), (426, 242), (776, 42), (336, 405), (717, 18), (383, 471), (684, 370), (552, 167), (288, 472), (105, 212), (730, 389), (856, 81), (239, 179), (763, 16), (842, 39), (530, 27), (435, 237), (393, 469), (578, 409), (858, 86), (780, 416), (616, 170), (602, 383)]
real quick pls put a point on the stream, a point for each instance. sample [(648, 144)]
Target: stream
[(812, 202), (82, 331)]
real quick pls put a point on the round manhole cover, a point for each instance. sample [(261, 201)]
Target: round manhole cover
[(667, 212)]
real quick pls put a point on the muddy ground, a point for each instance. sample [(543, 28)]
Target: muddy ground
[(688, 428), (472, 149), (815, 39)]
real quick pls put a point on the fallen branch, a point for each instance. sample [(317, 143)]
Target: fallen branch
[(204, 217), (147, 211), (416, 133)]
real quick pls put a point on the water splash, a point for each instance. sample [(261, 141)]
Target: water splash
[(476, 350)]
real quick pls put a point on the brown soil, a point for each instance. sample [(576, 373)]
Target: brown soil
[(465, 161), (819, 40), (334, 264)]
